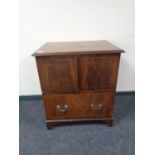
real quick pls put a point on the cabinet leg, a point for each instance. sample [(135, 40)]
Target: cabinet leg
[(49, 125), (109, 123)]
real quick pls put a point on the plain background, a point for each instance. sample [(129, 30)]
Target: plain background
[(75, 20), (145, 75)]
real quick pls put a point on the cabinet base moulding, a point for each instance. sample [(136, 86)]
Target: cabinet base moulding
[(51, 123)]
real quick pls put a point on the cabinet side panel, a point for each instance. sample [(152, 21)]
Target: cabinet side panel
[(40, 64)]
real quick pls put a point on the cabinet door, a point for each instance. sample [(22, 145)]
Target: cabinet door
[(58, 73), (98, 72)]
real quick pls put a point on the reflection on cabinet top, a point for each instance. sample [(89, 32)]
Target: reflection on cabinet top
[(76, 48)]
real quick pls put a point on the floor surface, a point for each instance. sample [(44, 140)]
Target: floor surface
[(79, 138)]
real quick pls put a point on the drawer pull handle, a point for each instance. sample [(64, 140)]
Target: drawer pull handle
[(62, 108), (96, 107)]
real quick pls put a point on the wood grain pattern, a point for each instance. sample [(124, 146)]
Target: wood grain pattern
[(98, 72), (78, 80), (79, 105), (58, 74), (76, 48)]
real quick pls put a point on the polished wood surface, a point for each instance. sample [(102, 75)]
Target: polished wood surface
[(78, 47), (98, 72), (58, 74), (84, 105), (78, 80)]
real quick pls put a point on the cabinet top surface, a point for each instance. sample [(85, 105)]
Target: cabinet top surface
[(78, 47)]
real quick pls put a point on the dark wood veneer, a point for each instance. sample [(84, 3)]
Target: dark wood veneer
[(78, 80), (98, 72), (58, 74), (80, 105)]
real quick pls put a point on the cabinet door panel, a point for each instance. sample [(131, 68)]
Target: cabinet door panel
[(58, 74), (98, 72)]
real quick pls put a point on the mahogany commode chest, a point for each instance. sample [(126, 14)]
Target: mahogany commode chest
[(78, 80)]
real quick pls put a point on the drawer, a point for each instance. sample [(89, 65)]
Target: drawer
[(82, 105), (98, 72)]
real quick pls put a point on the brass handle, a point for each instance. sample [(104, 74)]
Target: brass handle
[(62, 108), (96, 106)]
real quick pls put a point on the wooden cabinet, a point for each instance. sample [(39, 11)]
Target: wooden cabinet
[(78, 80)]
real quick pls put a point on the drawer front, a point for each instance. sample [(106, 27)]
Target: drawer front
[(72, 106), (58, 73), (98, 72)]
